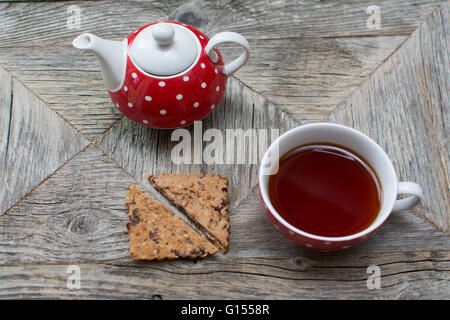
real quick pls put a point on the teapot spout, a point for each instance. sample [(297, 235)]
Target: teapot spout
[(111, 56)]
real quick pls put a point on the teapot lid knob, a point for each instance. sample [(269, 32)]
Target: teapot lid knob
[(165, 49), (163, 33)]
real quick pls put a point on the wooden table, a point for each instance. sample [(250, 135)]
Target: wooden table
[(67, 155)]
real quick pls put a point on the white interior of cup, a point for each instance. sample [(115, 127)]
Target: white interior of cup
[(346, 137)]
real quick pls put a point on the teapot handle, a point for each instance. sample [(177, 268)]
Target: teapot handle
[(229, 37)]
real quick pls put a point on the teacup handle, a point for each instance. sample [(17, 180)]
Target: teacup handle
[(408, 203), (229, 37)]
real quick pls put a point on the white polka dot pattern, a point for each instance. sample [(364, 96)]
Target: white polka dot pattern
[(170, 102)]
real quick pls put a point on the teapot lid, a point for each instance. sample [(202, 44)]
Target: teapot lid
[(164, 49)]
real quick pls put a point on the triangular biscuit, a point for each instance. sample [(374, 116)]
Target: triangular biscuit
[(157, 233), (203, 197)]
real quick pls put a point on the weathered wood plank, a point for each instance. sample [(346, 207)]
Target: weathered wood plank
[(35, 141), (31, 24), (142, 151), (252, 235), (405, 107), (5, 114), (305, 64), (409, 275), (302, 19), (69, 81), (78, 216), (307, 56), (309, 77)]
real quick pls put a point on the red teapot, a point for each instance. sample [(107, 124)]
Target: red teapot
[(165, 74)]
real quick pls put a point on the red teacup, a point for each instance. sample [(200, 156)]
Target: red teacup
[(362, 145)]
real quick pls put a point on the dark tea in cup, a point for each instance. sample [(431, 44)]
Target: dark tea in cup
[(325, 190)]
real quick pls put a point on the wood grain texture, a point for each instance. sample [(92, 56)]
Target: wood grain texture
[(69, 81), (35, 141), (45, 228), (409, 275), (405, 107), (304, 19), (78, 214), (309, 77), (252, 235), (5, 115), (36, 24), (142, 151), (306, 56), (306, 77)]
